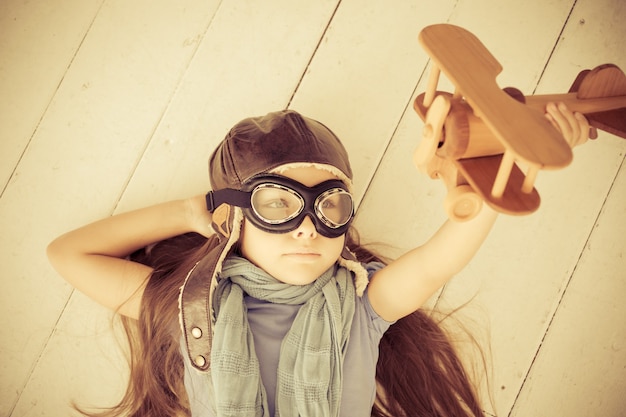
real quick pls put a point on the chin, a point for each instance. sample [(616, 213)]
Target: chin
[(297, 279), (299, 275)]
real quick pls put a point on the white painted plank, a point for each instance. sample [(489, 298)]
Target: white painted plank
[(37, 43), (82, 362), (364, 74), (519, 35), (523, 255), (240, 68), (522, 271), (79, 160), (580, 367)]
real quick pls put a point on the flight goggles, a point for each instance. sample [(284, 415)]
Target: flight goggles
[(278, 204)]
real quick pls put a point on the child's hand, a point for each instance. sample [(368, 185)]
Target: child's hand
[(572, 125), (198, 216)]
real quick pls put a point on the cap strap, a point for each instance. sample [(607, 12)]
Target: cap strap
[(214, 199), (195, 314)]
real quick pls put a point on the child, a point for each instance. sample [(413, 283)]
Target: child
[(265, 304)]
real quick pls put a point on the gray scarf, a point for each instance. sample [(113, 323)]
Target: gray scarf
[(309, 377)]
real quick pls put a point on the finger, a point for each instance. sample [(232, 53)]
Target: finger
[(584, 127), (573, 123), (558, 119), (553, 122)]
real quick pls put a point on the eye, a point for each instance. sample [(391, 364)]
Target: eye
[(278, 203), (329, 203)]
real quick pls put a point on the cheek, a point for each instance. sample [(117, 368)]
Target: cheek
[(260, 248), (252, 243), (338, 244)]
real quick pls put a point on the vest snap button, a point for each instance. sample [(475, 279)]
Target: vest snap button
[(196, 332), (199, 360)]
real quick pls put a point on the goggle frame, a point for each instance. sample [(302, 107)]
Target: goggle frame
[(309, 197)]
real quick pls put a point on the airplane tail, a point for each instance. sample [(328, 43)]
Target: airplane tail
[(603, 81)]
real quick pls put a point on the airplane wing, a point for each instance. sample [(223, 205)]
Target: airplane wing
[(470, 66)]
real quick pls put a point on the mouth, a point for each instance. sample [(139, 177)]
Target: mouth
[(303, 253)]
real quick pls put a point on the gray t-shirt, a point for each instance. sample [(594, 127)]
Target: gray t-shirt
[(270, 322)]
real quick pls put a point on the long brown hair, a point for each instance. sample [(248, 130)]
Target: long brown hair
[(418, 371)]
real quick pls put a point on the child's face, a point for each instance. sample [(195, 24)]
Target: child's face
[(298, 257)]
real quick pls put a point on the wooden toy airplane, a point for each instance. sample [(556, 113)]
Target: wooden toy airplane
[(477, 138)]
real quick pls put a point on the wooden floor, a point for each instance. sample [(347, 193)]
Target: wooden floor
[(109, 105)]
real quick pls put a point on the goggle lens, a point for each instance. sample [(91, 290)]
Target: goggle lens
[(275, 204), (334, 207)]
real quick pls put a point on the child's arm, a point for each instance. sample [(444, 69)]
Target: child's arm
[(405, 284), (91, 258)]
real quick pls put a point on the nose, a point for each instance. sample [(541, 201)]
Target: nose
[(306, 230)]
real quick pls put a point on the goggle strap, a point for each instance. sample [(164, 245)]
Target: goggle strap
[(237, 198)]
